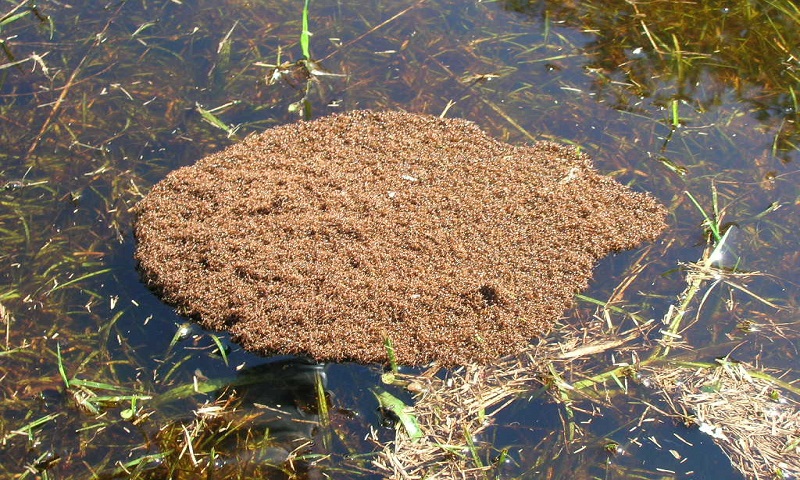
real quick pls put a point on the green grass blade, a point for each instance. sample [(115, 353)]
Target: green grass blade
[(79, 279), (712, 225), (77, 382), (212, 119), (305, 35), (61, 369), (389, 344), (13, 18), (676, 118), (220, 348), (30, 427), (473, 450)]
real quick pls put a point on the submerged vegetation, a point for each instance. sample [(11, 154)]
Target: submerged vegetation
[(97, 379)]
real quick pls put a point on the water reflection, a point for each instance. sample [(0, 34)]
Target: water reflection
[(694, 53), (726, 252)]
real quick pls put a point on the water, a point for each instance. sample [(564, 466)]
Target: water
[(105, 101)]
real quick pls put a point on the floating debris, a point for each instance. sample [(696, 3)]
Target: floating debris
[(751, 415)]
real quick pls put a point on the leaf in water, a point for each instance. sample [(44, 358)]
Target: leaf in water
[(212, 119), (672, 166), (316, 69), (393, 404)]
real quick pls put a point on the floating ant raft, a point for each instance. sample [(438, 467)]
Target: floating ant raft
[(326, 238)]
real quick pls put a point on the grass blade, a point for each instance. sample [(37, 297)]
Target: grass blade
[(711, 224), (305, 35), (61, 369), (220, 348)]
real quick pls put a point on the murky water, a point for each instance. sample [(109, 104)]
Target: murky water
[(99, 101)]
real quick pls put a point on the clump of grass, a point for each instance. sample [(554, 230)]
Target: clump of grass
[(743, 409), (218, 442), (304, 73)]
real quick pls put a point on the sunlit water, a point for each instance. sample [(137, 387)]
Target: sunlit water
[(637, 92)]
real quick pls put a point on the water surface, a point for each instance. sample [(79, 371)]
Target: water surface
[(100, 101)]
